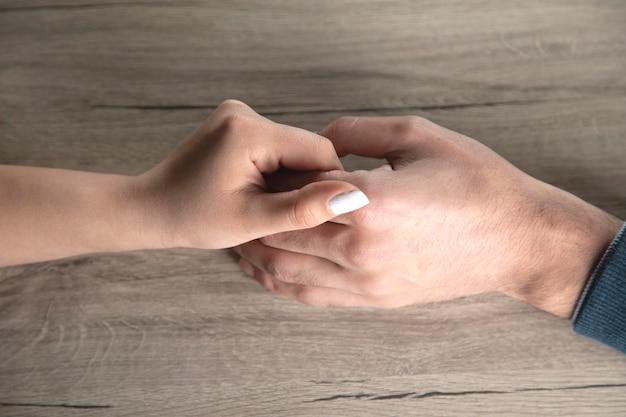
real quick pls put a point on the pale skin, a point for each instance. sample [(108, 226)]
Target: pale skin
[(208, 193), (447, 218)]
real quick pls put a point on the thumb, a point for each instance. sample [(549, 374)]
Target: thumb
[(307, 207)]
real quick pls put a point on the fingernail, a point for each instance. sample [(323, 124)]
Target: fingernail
[(345, 203), (246, 267)]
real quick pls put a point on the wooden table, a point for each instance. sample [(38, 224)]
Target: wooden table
[(113, 85)]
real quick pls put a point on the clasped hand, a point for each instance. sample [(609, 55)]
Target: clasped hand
[(448, 217)]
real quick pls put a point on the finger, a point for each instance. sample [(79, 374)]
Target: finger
[(310, 295), (300, 150), (324, 296), (328, 240), (303, 208), (404, 293), (297, 268), (272, 145), (286, 180), (393, 138), (278, 268), (295, 149)]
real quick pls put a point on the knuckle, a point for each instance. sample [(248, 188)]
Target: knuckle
[(283, 271), (406, 127), (309, 296), (410, 128), (231, 104), (234, 123), (275, 267)]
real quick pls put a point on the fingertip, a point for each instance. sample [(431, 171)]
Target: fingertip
[(231, 102), (264, 279), (246, 267), (340, 125)]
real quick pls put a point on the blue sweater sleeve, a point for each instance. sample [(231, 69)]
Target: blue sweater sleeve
[(601, 311)]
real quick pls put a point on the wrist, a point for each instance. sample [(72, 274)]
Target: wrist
[(566, 245), (137, 217)]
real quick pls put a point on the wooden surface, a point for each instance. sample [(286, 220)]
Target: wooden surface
[(113, 85)]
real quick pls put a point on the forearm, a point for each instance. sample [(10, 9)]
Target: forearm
[(51, 213)]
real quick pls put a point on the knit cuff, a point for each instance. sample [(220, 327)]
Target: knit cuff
[(601, 311)]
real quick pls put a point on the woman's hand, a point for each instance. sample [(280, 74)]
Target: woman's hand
[(208, 193)]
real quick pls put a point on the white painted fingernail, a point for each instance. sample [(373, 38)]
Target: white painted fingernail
[(345, 203)]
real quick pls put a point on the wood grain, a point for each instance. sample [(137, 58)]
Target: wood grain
[(112, 86)]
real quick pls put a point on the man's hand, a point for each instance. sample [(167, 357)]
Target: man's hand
[(448, 218)]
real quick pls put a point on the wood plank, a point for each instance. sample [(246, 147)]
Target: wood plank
[(113, 85), (298, 55), (186, 333)]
